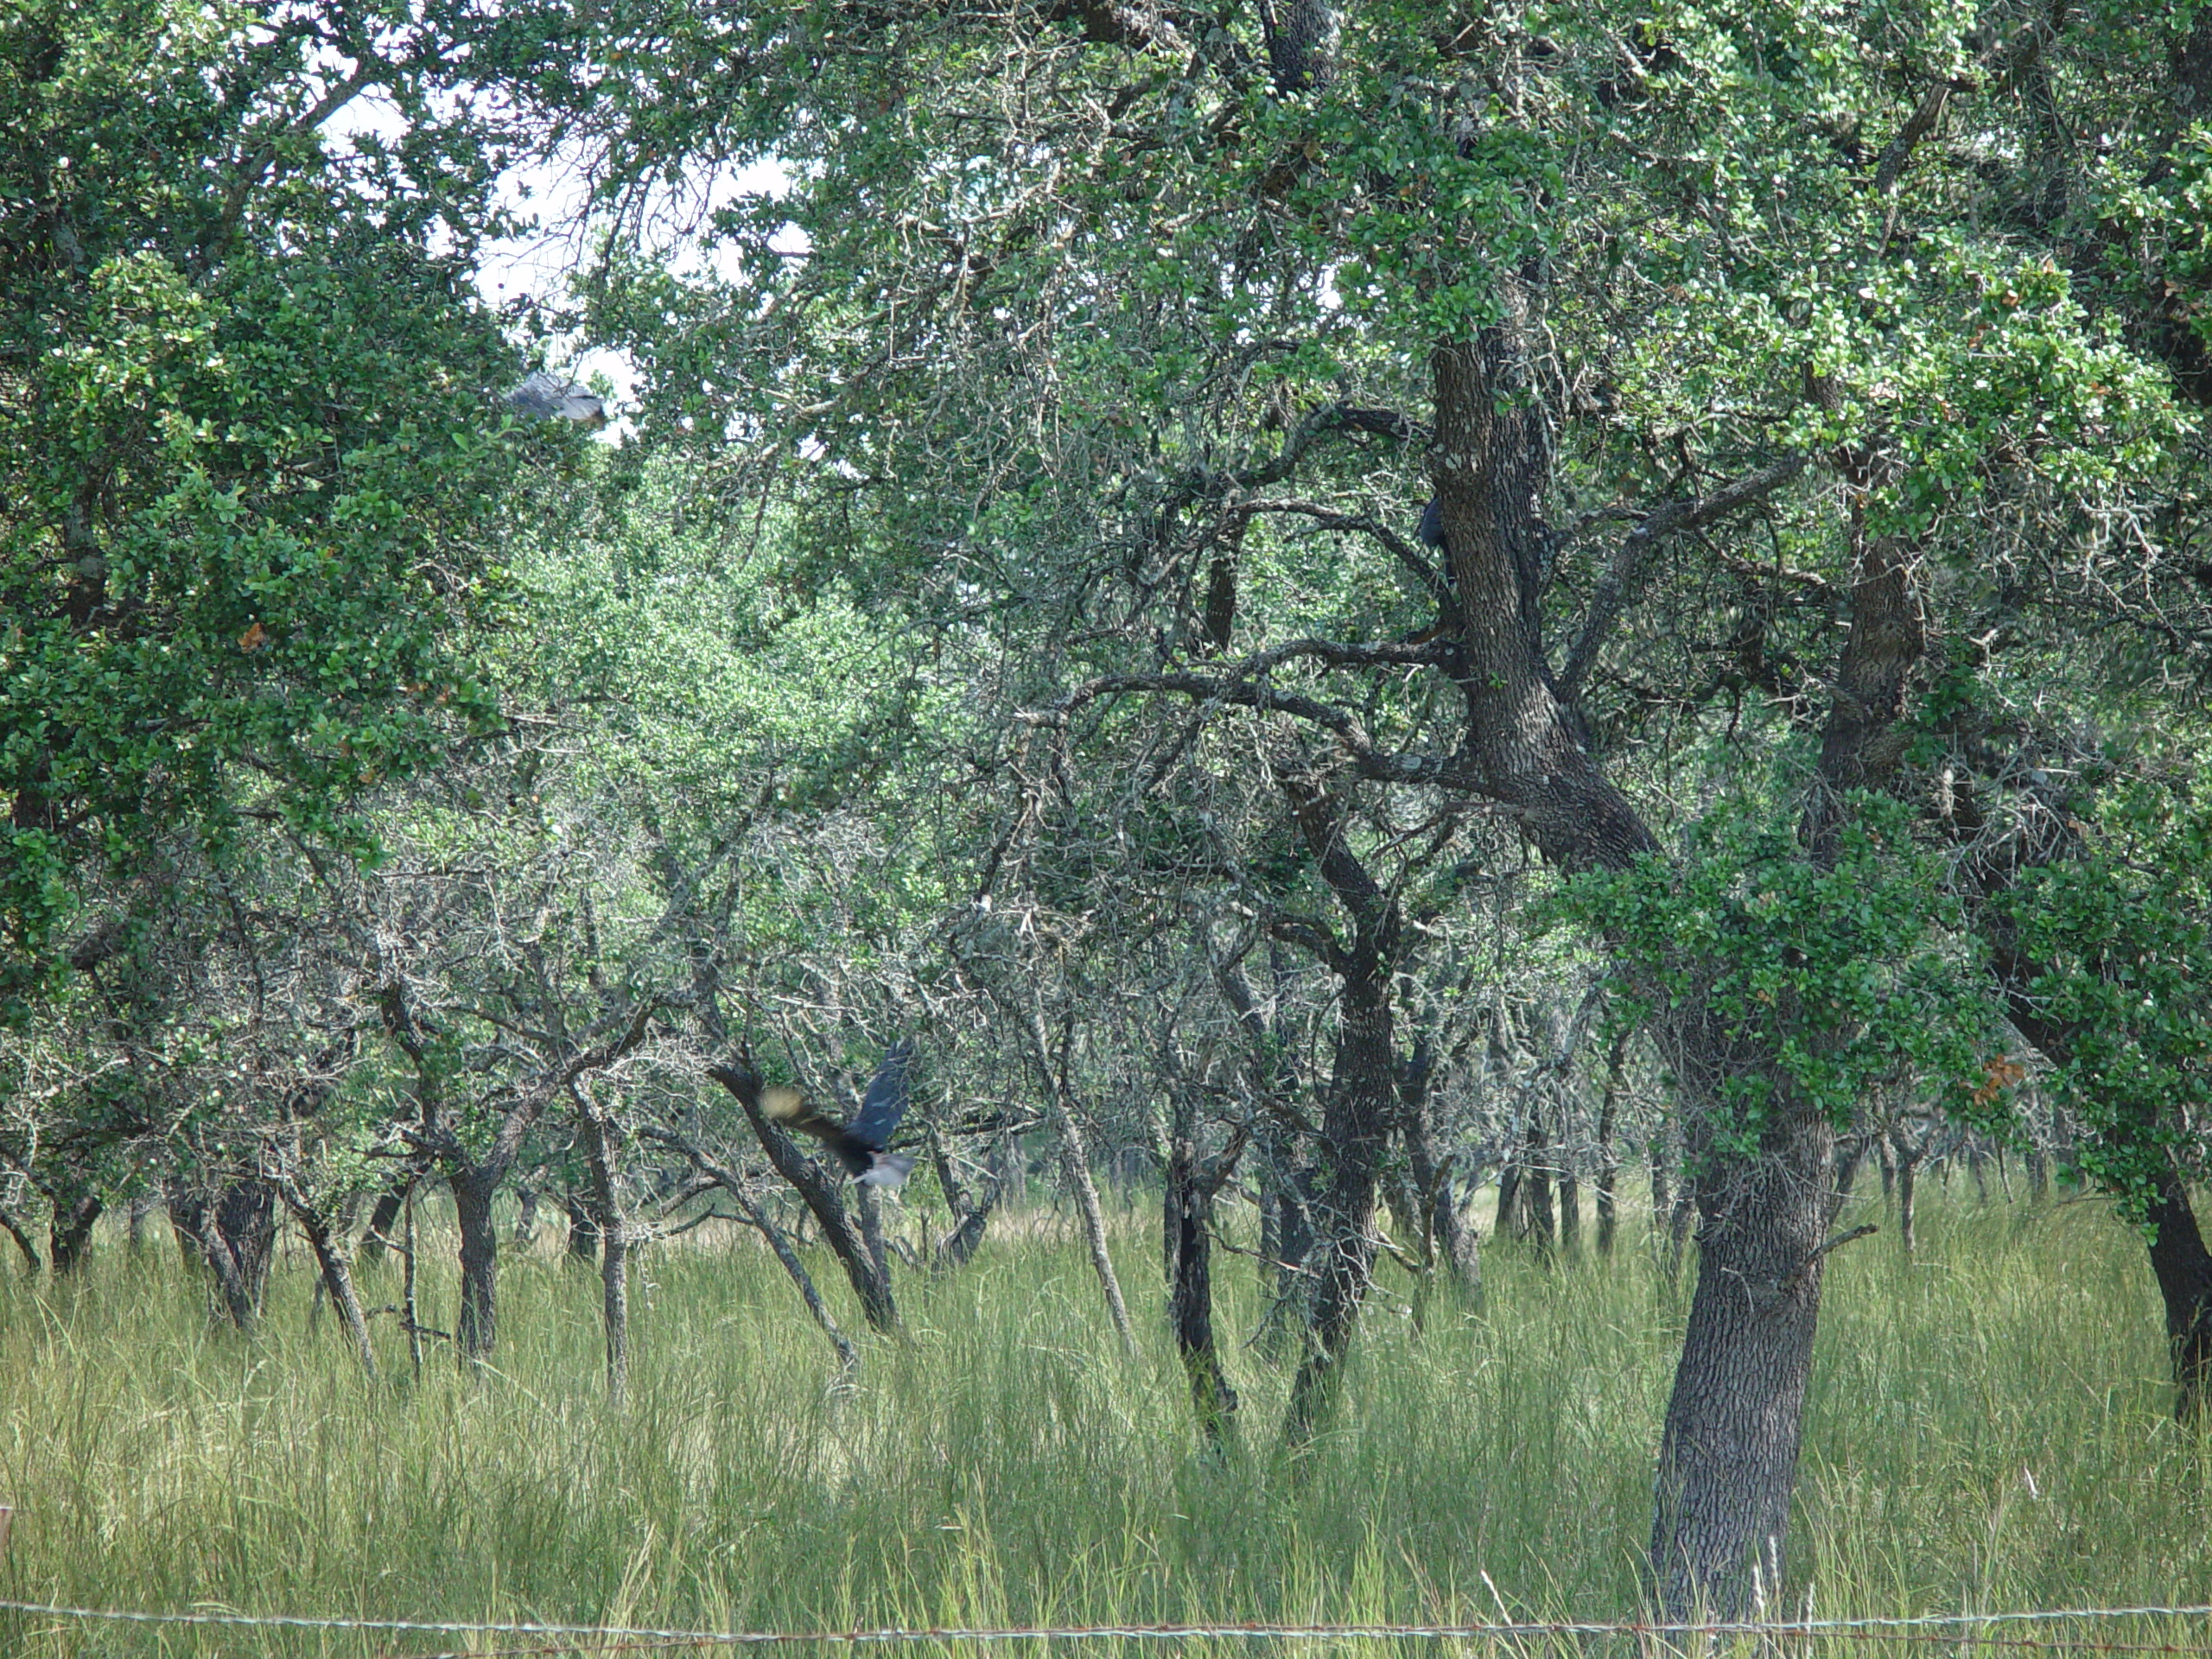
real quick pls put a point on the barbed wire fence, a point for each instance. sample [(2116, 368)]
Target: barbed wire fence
[(2074, 1630)]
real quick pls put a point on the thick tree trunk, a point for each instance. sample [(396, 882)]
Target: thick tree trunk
[(245, 1217), (2183, 1270), (232, 1234), (1361, 1104), (1301, 38), (237, 1300), (1534, 1221), (476, 1331), (1728, 1456)]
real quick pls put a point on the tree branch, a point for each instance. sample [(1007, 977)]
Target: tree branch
[(1636, 550)]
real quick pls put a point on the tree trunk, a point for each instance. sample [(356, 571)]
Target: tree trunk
[(600, 1150), (1362, 1101), (1444, 1237), (1188, 1204), (1510, 1223), (1728, 1456), (1729, 1452), (383, 1219), (1355, 1126), (69, 1236), (237, 1300), (1849, 1156), (1908, 1179), (583, 1228), (338, 1282), (1285, 1281), (821, 1192), (476, 1331), (246, 1216), (525, 1232), (1609, 1163), (1075, 1164), (143, 1203), (970, 1214), (2183, 1270), (1681, 1217), (23, 1243)]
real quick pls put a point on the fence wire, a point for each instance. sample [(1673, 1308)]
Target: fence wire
[(1977, 1630)]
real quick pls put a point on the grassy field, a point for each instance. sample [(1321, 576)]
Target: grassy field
[(1988, 1430)]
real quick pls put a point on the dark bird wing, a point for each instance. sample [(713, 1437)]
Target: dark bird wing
[(859, 1145), (886, 1100), (1431, 524)]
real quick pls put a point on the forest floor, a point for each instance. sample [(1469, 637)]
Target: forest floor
[(1989, 1429)]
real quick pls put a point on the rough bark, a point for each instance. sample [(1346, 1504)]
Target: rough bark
[(1729, 1450), (1728, 1453), (231, 1233), (1358, 1109), (1301, 36), (476, 1331)]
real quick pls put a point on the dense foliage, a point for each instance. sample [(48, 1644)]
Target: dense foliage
[(1008, 616)]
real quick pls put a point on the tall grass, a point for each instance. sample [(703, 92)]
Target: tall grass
[(1988, 1429)]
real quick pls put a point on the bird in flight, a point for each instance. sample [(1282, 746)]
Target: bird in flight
[(860, 1145)]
